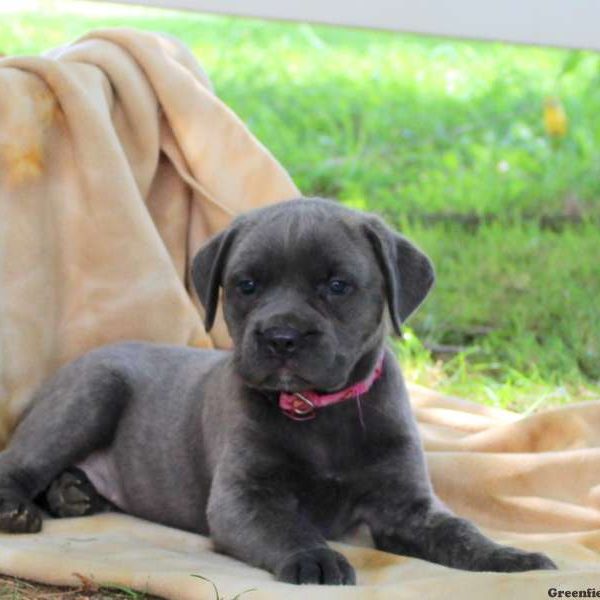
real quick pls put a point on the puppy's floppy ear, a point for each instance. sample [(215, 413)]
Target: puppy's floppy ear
[(408, 273), (207, 272)]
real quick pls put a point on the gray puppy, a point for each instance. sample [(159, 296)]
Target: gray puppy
[(300, 434)]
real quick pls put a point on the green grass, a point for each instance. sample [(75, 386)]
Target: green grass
[(523, 302), (12, 588), (409, 126)]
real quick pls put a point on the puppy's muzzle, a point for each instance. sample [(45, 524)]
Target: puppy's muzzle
[(284, 341)]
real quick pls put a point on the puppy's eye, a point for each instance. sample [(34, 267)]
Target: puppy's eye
[(337, 287), (247, 286)]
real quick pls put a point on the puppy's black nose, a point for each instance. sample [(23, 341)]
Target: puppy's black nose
[(282, 340)]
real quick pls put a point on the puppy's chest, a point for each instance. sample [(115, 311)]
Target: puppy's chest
[(328, 498), (329, 469)]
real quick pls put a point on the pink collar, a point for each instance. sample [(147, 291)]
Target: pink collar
[(302, 406)]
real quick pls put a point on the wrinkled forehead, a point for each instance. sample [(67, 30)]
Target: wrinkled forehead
[(313, 244)]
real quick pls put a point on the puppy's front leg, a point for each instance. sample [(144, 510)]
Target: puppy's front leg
[(256, 518), (424, 528)]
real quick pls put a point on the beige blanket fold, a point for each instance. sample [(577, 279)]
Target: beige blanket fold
[(117, 160)]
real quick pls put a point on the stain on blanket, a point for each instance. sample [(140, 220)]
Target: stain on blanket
[(22, 144)]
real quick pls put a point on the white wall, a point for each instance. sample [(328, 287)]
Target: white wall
[(568, 23)]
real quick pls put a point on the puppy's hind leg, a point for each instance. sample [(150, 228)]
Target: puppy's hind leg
[(72, 494), (71, 415)]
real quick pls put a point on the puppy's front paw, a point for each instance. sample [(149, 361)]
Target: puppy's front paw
[(507, 560), (18, 515), (321, 566)]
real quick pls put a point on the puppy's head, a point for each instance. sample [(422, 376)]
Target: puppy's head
[(305, 287)]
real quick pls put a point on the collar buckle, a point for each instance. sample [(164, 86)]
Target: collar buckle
[(302, 406)]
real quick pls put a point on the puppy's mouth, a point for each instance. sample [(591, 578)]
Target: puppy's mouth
[(290, 374), (285, 380)]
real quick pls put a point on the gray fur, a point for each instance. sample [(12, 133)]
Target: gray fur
[(195, 439)]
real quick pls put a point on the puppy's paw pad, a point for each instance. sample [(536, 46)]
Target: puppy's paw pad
[(319, 566), (513, 560), (18, 515), (71, 494)]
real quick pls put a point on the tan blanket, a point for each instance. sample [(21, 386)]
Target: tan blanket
[(116, 161)]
